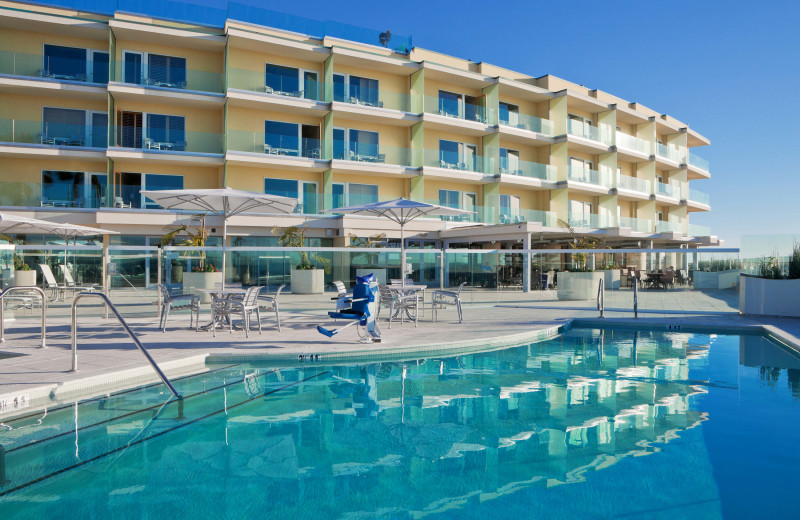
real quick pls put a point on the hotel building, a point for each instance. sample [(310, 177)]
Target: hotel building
[(94, 109)]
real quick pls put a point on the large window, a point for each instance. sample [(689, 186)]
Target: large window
[(509, 161), (510, 209), (74, 63), (460, 200), (128, 188), (153, 181), (63, 189), (459, 156), (281, 138), (158, 70), (289, 81), (356, 145), (509, 114), (461, 106), (580, 213), (304, 192), (63, 126), (356, 89), (165, 132), (352, 194)]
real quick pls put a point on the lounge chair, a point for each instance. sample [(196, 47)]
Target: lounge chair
[(270, 304), (70, 282), (442, 298), (58, 292), (178, 302)]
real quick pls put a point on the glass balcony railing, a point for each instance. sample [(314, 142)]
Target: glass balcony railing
[(592, 221), (633, 184), (640, 225), (67, 194), (662, 226), (258, 142), (696, 230), (371, 153), (484, 214), (699, 196), (516, 215), (668, 152), (256, 81), (458, 161), (191, 142), (371, 97), (171, 78), (588, 176), (65, 69), (632, 143), (668, 190), (53, 134), (457, 110), (601, 134), (527, 169), (526, 122), (699, 162)]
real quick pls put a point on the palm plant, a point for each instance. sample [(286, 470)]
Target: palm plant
[(581, 242), (295, 236), (196, 237)]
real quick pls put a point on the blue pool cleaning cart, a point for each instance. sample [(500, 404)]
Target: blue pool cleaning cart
[(361, 309)]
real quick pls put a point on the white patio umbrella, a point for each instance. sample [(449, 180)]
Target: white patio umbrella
[(401, 211), (224, 202)]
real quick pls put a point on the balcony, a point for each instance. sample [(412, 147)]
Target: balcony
[(588, 176), (639, 225), (699, 197), (516, 216), (375, 97), (696, 230), (159, 141), (600, 134), (625, 182), (533, 170), (172, 78), (260, 143), (669, 152), (668, 190), (53, 134), (530, 123), (633, 144), (56, 68), (449, 108), (592, 221), (699, 162), (458, 161), (662, 226), (371, 153)]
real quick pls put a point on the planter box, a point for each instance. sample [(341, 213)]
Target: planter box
[(769, 297), (24, 278), (579, 286), (194, 281), (308, 281), (612, 277), (716, 280), (176, 274), (380, 274)]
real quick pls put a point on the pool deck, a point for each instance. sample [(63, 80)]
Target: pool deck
[(108, 360)]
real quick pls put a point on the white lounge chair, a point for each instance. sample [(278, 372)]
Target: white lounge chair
[(70, 282), (57, 291)]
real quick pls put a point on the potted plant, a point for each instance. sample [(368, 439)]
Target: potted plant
[(580, 282), (204, 275), (369, 259), (24, 276), (306, 277), (716, 274), (769, 292)]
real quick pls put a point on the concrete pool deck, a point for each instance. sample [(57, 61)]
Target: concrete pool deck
[(108, 360)]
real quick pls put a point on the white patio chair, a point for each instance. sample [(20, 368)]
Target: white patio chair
[(70, 282), (177, 302), (243, 307), (58, 292), (442, 298), (270, 304), (398, 304)]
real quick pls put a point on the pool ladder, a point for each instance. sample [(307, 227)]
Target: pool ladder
[(635, 297), (43, 307), (127, 328)]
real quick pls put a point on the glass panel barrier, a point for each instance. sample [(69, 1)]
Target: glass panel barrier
[(182, 141), (589, 176), (528, 169), (453, 160), (53, 134), (699, 162), (527, 122), (633, 184), (699, 196), (635, 144)]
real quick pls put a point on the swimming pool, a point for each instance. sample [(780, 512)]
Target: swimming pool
[(591, 424)]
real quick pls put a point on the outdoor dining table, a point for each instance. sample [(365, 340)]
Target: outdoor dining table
[(655, 278), (220, 293), (406, 290)]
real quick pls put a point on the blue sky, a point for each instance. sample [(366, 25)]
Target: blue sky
[(728, 69)]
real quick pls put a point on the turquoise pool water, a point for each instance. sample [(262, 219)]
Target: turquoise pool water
[(592, 424)]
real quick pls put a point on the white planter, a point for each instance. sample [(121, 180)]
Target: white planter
[(769, 297), (579, 286), (308, 281), (380, 274), (192, 282), (24, 278), (612, 279), (716, 280)]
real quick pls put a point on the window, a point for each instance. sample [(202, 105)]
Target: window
[(128, 187), (99, 67), (458, 156), (352, 194), (63, 189), (580, 169), (509, 161), (64, 63), (282, 80), (460, 200), (63, 126), (660, 216), (165, 132), (98, 184), (449, 104), (153, 181), (461, 106), (356, 145), (158, 70), (355, 89), (98, 131), (281, 138), (304, 192), (132, 68), (509, 114), (510, 209), (580, 213)]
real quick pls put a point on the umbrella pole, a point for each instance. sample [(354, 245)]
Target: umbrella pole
[(224, 239), (402, 254)]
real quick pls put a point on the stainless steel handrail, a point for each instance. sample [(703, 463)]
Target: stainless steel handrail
[(601, 297), (127, 328), (44, 310), (635, 297)]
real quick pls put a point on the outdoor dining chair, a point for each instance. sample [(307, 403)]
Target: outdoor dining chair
[(442, 298), (177, 302), (270, 304), (398, 304), (227, 308)]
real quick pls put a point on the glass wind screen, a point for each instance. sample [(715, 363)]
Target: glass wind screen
[(449, 104), (448, 153), (132, 68), (161, 182), (64, 62), (62, 126), (338, 87), (166, 71), (363, 90), (61, 188), (282, 138), (282, 80), (363, 144)]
